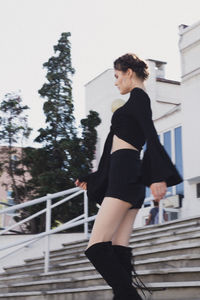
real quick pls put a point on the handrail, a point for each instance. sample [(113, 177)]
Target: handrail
[(38, 236), (39, 200), (82, 219), (31, 240), (40, 212), (6, 204)]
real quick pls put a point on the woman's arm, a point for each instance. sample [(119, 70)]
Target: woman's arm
[(157, 165), (141, 110)]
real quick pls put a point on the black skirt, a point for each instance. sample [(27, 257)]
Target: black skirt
[(124, 177)]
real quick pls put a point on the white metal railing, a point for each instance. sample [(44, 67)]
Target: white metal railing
[(82, 219), (3, 216)]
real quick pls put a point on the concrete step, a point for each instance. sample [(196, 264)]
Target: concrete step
[(148, 276), (193, 248), (80, 256), (167, 258), (162, 291), (70, 248), (160, 228), (164, 234), (56, 257), (168, 225), (175, 261), (170, 241), (176, 290), (85, 268), (150, 232), (88, 293), (84, 240), (38, 270), (138, 236), (152, 239), (170, 275), (66, 273), (174, 246), (147, 233), (51, 284)]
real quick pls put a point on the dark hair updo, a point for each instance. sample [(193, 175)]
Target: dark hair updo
[(132, 61)]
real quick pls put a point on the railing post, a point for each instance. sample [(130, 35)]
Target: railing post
[(86, 215), (161, 211), (3, 220), (47, 238)]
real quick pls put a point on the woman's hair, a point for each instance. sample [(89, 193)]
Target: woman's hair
[(132, 61)]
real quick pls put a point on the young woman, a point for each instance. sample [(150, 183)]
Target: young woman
[(119, 183)]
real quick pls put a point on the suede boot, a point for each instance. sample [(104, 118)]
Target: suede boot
[(124, 254), (104, 259)]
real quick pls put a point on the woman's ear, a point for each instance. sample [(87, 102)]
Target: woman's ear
[(130, 73)]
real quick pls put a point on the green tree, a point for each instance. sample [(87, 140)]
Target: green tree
[(14, 130), (63, 156)]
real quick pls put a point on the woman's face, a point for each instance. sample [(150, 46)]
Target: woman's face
[(123, 81)]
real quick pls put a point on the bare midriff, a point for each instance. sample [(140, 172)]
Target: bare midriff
[(120, 144)]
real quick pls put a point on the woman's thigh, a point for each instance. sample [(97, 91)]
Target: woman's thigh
[(108, 219), (123, 233)]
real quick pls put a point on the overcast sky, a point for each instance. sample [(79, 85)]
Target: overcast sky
[(101, 31)]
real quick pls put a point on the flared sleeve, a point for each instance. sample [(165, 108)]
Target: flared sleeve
[(97, 181), (156, 163), (104, 160)]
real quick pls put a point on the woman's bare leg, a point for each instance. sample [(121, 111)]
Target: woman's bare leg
[(108, 219), (123, 233)]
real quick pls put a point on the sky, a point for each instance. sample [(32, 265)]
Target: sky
[(101, 31)]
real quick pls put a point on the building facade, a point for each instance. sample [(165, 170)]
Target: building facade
[(189, 45)]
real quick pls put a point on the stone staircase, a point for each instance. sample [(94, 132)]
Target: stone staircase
[(167, 258)]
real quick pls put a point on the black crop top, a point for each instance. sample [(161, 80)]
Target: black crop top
[(133, 123)]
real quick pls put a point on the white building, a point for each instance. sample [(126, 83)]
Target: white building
[(189, 45), (175, 106)]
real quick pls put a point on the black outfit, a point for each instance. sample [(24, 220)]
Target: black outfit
[(132, 123), (124, 177)]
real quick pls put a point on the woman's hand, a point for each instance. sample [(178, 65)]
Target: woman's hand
[(158, 190), (82, 185)]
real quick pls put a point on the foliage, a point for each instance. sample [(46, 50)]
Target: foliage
[(14, 130)]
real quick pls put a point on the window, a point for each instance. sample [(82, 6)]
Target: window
[(14, 160), (174, 150), (148, 190), (168, 148), (198, 190), (167, 142), (178, 157), (10, 201)]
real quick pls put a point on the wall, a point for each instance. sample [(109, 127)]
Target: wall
[(189, 45)]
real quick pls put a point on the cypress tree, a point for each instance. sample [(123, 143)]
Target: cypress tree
[(63, 156)]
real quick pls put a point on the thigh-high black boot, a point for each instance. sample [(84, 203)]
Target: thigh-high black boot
[(104, 259), (124, 254)]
